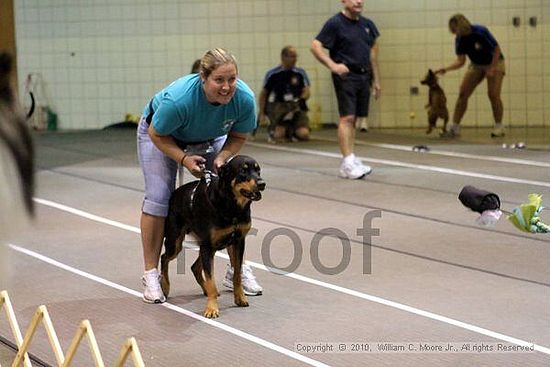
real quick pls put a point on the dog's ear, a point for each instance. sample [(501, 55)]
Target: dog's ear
[(431, 72), (222, 171), (225, 170)]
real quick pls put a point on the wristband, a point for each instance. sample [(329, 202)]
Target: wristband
[(183, 158)]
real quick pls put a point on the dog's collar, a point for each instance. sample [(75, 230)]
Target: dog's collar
[(229, 159)]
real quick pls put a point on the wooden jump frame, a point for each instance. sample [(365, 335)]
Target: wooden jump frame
[(129, 348)]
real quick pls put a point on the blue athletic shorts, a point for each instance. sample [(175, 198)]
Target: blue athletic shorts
[(353, 94)]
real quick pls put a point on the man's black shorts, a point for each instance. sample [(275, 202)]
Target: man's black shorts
[(353, 94)]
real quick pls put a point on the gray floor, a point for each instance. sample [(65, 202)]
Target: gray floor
[(436, 278)]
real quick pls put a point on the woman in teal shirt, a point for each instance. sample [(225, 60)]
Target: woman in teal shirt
[(198, 121)]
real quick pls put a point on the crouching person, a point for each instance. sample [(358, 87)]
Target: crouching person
[(283, 99)]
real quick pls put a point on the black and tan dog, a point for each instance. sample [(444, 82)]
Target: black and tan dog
[(437, 105), (217, 210)]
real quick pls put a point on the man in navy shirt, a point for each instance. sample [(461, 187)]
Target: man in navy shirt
[(353, 61), (283, 99), (487, 61)]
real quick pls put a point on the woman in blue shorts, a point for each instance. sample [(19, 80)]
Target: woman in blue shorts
[(198, 122)]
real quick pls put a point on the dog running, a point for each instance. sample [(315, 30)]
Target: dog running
[(217, 210), (437, 105)]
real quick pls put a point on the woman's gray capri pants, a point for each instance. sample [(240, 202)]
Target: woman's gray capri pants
[(160, 171)]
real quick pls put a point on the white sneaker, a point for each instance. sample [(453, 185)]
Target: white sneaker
[(250, 285), (358, 162), (353, 171), (498, 132), (450, 134), (152, 292)]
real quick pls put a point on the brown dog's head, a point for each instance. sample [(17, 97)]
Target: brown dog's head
[(430, 79), (241, 175)]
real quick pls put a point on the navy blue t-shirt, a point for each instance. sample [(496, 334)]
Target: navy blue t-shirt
[(349, 41), (479, 45), (285, 84)]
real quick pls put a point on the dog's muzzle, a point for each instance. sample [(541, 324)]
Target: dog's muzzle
[(261, 184), (255, 195)]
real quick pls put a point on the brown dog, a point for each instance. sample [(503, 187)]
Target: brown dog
[(437, 105)]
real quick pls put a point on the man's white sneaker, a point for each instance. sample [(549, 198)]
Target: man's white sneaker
[(250, 285), (498, 132), (353, 170), (152, 292), (363, 124), (358, 162), (450, 134)]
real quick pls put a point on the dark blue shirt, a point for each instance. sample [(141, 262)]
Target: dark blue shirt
[(479, 45), (285, 85), (349, 41)]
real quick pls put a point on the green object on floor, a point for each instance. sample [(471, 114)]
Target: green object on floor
[(527, 217), (51, 119)]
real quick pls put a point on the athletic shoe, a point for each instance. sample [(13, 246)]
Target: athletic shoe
[(354, 170), (498, 132), (152, 292), (449, 134), (358, 162), (250, 285)]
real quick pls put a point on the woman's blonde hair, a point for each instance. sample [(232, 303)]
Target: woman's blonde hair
[(462, 24), (215, 58)]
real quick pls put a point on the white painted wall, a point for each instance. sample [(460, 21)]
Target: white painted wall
[(125, 50)]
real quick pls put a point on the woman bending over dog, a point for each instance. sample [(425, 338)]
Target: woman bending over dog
[(487, 61), (198, 121)]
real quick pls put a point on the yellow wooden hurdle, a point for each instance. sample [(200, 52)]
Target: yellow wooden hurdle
[(15, 330), (129, 348), (41, 315), (85, 329)]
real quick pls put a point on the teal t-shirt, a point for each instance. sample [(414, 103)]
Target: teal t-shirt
[(183, 112)]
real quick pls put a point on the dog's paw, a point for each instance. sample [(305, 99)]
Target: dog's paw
[(206, 295), (211, 312), (241, 301), (165, 285)]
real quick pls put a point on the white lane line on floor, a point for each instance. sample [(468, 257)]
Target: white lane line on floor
[(216, 324), (388, 162), (87, 215), (350, 292), (446, 153)]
